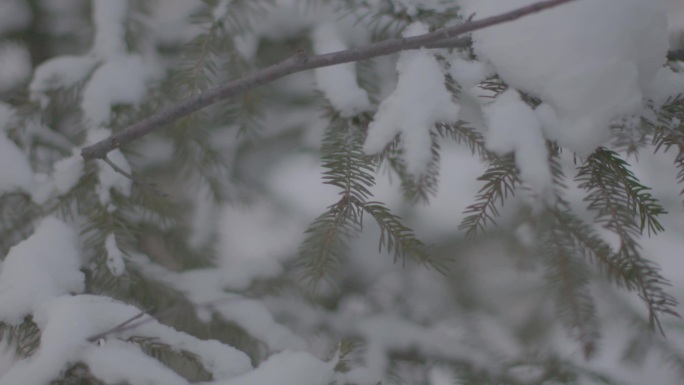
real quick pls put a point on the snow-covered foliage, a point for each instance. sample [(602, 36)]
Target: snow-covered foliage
[(329, 227)]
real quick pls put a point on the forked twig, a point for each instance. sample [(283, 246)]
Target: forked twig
[(145, 185)]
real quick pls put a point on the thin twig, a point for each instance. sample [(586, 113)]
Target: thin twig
[(297, 63), (139, 182), (116, 328), (129, 324)]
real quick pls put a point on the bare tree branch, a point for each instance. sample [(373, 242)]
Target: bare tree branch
[(301, 62)]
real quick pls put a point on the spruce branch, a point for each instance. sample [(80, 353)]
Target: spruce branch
[(460, 132), (614, 197), (351, 170), (297, 63), (501, 180), (569, 279), (397, 238), (422, 187), (347, 168), (636, 196), (327, 242), (668, 132)]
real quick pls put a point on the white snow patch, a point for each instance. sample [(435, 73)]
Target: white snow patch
[(258, 322), (288, 368), (589, 60), (119, 81), (205, 288), (253, 241), (525, 235), (109, 18), (39, 269), (60, 72), (8, 356), (419, 101), (68, 321), (666, 85), (118, 362), (338, 83), (514, 128), (67, 172), (469, 73), (115, 258)]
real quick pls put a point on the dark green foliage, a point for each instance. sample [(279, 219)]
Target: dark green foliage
[(621, 205), (185, 363), (501, 179), (569, 279), (25, 338), (668, 132), (78, 374), (18, 213), (415, 188), (350, 170)]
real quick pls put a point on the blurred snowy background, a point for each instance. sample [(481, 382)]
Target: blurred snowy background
[(491, 315)]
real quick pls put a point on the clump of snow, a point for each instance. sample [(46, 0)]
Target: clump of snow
[(67, 172), (206, 288), (118, 362), (258, 322), (8, 356), (39, 269), (119, 81), (168, 20), (288, 368), (666, 85), (61, 72), (246, 254), (419, 101), (385, 333), (68, 322), (469, 73), (115, 257), (525, 235), (514, 128), (222, 360), (296, 180), (591, 61), (338, 83), (15, 65), (109, 18)]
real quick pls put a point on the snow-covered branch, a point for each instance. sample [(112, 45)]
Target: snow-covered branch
[(301, 62)]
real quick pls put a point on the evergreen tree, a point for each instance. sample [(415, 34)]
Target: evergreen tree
[(191, 192)]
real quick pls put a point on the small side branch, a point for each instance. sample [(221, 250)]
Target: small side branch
[(301, 62), (139, 182)]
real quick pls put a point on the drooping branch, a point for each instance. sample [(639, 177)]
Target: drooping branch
[(301, 62)]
